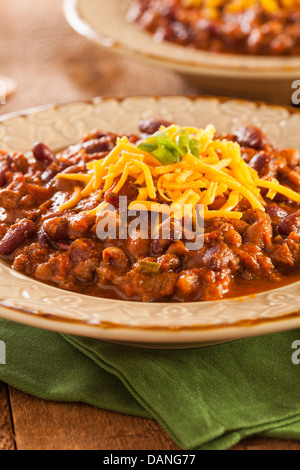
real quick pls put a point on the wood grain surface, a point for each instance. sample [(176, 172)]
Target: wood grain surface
[(6, 427), (51, 63), (81, 427)]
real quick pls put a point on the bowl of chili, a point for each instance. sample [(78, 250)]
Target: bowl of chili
[(239, 160)]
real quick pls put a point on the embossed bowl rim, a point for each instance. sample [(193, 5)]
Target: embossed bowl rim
[(27, 301), (105, 23)]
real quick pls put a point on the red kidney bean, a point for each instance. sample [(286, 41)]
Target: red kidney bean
[(289, 224), (219, 257), (16, 235), (255, 215), (251, 136), (207, 26), (263, 163), (48, 175), (96, 134), (275, 211), (104, 144), (4, 167), (150, 126), (80, 225), (42, 238), (3, 170), (43, 154), (161, 244), (115, 257), (112, 198), (57, 228), (2, 178)]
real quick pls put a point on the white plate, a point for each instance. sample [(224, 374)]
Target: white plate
[(105, 23), (145, 324)]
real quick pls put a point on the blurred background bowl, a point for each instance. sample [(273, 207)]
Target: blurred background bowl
[(252, 77)]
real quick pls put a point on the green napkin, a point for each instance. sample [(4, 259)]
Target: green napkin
[(208, 398)]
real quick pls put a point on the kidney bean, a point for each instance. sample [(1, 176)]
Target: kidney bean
[(42, 238), (160, 246), (57, 228), (80, 225), (112, 198), (96, 134), (255, 215), (3, 170), (2, 178), (275, 211), (150, 126), (219, 257), (16, 235), (251, 136), (43, 154), (289, 224), (263, 163), (169, 232), (104, 144), (4, 167), (115, 257), (138, 244), (48, 175), (169, 263), (207, 26)]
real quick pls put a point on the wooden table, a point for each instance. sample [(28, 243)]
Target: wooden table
[(51, 63)]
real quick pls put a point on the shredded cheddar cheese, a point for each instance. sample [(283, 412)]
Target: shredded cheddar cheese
[(278, 188), (176, 171), (212, 8), (75, 198)]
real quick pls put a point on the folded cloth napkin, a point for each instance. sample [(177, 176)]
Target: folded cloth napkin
[(207, 398)]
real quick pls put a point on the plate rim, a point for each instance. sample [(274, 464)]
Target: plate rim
[(140, 337)]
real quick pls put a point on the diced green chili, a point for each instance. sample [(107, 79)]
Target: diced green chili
[(145, 147), (166, 150), (165, 156), (148, 267)]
